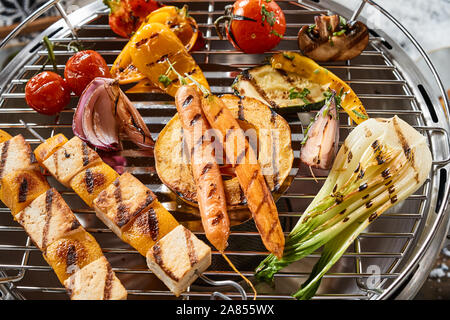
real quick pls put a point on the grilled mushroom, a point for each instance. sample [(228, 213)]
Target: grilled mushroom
[(332, 38)]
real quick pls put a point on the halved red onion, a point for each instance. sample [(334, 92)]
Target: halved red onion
[(117, 162), (132, 123), (103, 110), (94, 121)]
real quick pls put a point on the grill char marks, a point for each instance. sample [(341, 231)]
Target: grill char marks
[(241, 115), (252, 179), (218, 114), (93, 179), (85, 150), (89, 180), (4, 155), (48, 215), (108, 282), (193, 260), (71, 259), (122, 210), (217, 219), (123, 214), (187, 101), (195, 119), (160, 60), (141, 42), (260, 90), (148, 200), (23, 190), (157, 255), (406, 149), (275, 153), (373, 216), (152, 224), (212, 191), (206, 168)]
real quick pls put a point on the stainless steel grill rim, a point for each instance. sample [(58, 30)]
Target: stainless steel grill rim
[(400, 242)]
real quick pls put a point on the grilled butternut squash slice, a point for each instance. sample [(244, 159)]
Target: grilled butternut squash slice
[(275, 154), (91, 181), (69, 254), (4, 136), (20, 188), (46, 149), (149, 227)]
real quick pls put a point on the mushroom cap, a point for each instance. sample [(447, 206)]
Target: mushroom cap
[(330, 41)]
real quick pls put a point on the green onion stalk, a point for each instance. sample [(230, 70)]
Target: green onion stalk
[(381, 163)]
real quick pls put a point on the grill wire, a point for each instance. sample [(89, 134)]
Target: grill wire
[(379, 251)]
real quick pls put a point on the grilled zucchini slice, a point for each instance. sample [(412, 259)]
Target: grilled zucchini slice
[(294, 83), (286, 92)]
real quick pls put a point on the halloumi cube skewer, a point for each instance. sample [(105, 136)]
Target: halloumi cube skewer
[(134, 214)]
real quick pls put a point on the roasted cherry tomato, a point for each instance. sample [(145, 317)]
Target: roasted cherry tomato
[(82, 68), (127, 15), (47, 93), (253, 26)]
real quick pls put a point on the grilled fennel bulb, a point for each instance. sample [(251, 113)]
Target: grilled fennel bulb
[(382, 162)]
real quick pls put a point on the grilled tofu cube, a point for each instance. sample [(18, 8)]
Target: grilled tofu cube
[(91, 181), (15, 154), (95, 281), (47, 219), (149, 227), (71, 253), (176, 257), (20, 188), (122, 201), (70, 159), (47, 148)]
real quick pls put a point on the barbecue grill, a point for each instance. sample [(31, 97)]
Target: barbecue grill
[(390, 259)]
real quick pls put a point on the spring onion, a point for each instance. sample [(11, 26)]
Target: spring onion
[(381, 163)]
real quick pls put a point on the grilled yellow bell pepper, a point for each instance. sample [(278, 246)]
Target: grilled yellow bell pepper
[(178, 20), (308, 69), (154, 49)]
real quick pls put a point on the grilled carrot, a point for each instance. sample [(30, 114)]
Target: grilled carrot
[(210, 191), (248, 172)]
